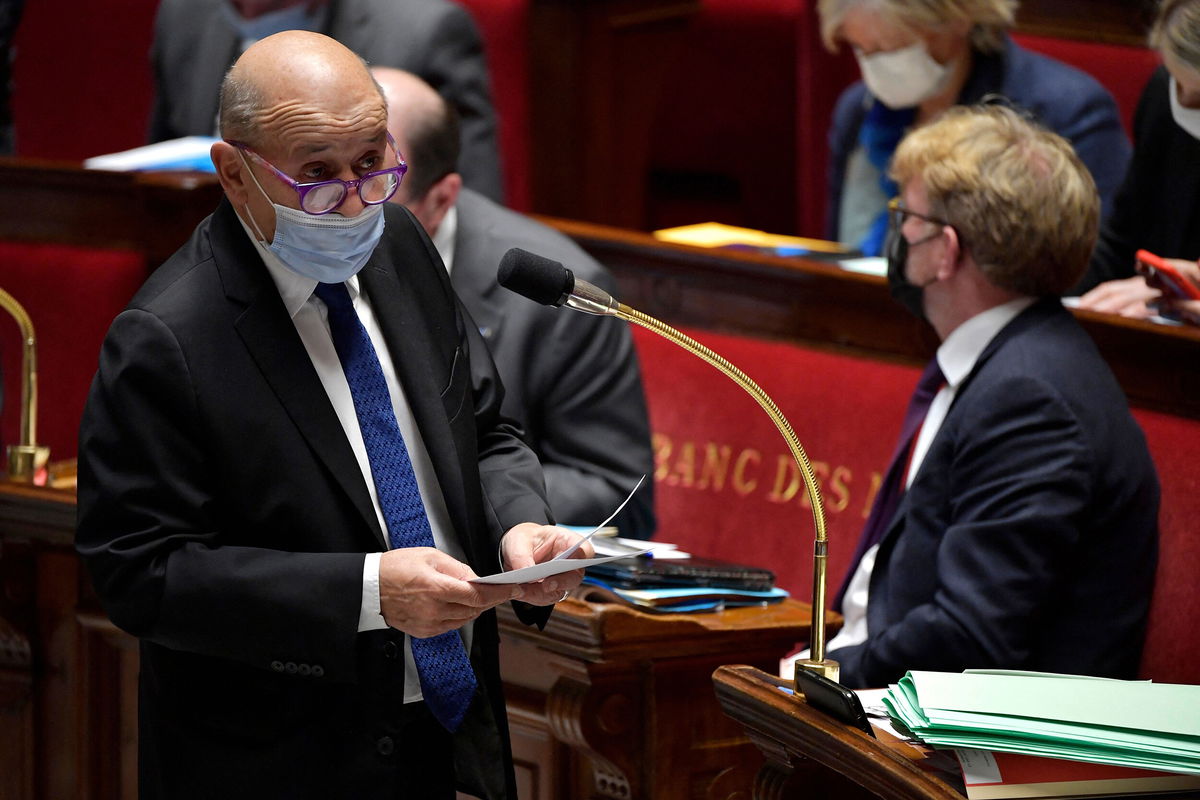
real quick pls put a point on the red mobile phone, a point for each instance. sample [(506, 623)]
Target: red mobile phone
[(1168, 278)]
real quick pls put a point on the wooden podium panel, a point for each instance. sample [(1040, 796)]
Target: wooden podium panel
[(810, 755), (630, 695)]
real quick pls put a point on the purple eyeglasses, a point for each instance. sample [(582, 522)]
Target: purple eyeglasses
[(322, 197)]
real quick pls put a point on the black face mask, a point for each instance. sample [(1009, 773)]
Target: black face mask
[(906, 293)]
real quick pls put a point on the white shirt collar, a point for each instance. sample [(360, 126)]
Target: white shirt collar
[(443, 240), (294, 289), (962, 348)]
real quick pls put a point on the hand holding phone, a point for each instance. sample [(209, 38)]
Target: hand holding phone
[(1163, 275)]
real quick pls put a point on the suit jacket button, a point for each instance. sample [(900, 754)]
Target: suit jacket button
[(318, 671), (305, 669), (277, 666), (391, 650), (385, 746), (290, 668)]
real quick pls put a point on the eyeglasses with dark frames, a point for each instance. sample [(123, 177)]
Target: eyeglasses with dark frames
[(324, 197), (897, 212)]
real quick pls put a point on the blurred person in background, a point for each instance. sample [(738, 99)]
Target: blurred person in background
[(196, 41), (918, 58), (1158, 206)]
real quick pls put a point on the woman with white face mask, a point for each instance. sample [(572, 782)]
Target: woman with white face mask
[(918, 58), (1158, 206)]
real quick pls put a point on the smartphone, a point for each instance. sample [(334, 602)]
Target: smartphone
[(833, 699), (1166, 276)]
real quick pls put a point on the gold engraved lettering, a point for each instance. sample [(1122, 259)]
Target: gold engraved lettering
[(662, 455), (785, 471), (715, 466), (876, 480), (839, 485), (740, 484), (684, 471)]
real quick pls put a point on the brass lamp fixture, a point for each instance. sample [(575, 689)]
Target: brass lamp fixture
[(550, 283), (816, 662), (25, 459)]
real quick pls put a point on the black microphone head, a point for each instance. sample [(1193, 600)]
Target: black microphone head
[(541, 279)]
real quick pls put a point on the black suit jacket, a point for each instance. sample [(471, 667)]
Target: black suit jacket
[(1158, 205), (571, 380), (437, 39), (224, 520), (1028, 538)]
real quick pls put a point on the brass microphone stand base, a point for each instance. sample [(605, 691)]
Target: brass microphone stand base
[(827, 668), (25, 461)]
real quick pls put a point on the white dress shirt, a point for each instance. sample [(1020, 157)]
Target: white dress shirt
[(309, 315)]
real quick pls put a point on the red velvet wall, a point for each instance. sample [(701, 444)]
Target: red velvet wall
[(1172, 653), (724, 481), (72, 295), (81, 77), (1121, 69), (504, 25)]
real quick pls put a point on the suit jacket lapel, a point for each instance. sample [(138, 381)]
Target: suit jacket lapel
[(1040, 310), (272, 341)]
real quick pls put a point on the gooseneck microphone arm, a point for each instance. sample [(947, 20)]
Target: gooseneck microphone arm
[(550, 283)]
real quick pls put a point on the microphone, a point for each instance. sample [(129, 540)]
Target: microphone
[(548, 282)]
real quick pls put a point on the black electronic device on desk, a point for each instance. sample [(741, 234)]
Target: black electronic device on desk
[(681, 585), (656, 573)]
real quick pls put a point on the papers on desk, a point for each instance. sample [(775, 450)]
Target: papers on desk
[(681, 600), (189, 153), (716, 234), (1126, 723), (563, 562)]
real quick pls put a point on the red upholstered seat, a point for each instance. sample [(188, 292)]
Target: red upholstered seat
[(504, 25), (725, 485), (1121, 69), (72, 295), (1172, 651)]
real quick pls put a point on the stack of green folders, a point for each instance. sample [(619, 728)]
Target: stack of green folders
[(1127, 723)]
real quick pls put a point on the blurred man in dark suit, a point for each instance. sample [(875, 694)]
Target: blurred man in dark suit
[(195, 41), (571, 380)]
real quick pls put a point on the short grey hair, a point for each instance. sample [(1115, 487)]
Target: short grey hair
[(989, 18), (241, 102)]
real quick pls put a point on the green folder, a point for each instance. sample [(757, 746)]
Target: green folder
[(1128, 723)]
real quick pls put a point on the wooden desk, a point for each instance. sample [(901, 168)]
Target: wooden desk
[(819, 305), (809, 755), (606, 702), (149, 212)]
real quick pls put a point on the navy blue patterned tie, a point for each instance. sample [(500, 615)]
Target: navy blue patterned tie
[(447, 680)]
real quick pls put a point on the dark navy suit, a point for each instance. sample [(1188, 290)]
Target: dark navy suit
[(1028, 538)]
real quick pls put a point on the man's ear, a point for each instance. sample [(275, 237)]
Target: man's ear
[(952, 253), (437, 202), (231, 172)]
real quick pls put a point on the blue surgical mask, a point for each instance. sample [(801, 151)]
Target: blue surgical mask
[(329, 248), (292, 18)]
